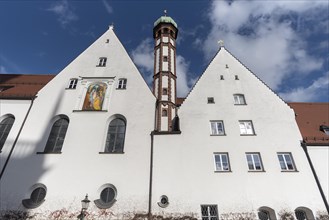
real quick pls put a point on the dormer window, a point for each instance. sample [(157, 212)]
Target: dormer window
[(122, 84), (325, 129), (102, 61), (73, 83)]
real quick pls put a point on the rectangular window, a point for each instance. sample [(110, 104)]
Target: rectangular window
[(246, 128), (102, 61), (73, 83), (211, 100), (164, 91), (239, 99), (209, 212), (217, 128), (222, 162), (165, 58), (122, 84), (254, 162), (286, 162)]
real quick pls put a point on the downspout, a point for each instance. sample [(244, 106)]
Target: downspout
[(151, 178), (16, 139), (304, 146)]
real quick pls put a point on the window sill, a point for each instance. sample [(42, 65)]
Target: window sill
[(121, 88), (49, 152), (289, 171), (218, 171), (111, 152), (218, 135), (70, 88), (100, 66), (256, 171), (240, 104), (247, 134), (89, 110)]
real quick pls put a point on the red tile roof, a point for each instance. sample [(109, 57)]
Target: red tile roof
[(309, 117), (15, 86)]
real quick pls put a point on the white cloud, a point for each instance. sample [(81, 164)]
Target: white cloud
[(6, 64), (310, 93), (144, 59), (64, 12), (108, 7), (257, 33)]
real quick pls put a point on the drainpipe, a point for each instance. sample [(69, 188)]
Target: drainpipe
[(151, 178), (16, 139), (304, 146)]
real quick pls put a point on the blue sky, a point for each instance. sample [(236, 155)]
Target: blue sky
[(285, 43)]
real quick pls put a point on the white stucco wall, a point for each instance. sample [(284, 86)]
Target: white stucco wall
[(320, 159), (80, 169), (18, 109), (184, 164)]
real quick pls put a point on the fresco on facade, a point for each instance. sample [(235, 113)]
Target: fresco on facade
[(95, 97)]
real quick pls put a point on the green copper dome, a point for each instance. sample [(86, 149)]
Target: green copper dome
[(165, 19)]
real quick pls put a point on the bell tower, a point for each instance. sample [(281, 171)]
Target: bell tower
[(164, 78)]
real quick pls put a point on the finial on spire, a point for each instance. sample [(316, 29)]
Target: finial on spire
[(111, 26), (221, 43), (165, 12)]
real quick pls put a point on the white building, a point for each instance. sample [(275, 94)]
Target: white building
[(232, 146)]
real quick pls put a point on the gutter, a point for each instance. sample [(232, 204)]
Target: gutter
[(304, 146), (149, 214), (16, 139)]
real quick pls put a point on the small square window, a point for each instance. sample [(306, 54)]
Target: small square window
[(239, 99), (246, 128), (217, 128), (236, 77), (211, 100), (73, 83), (254, 162), (102, 61), (286, 162), (164, 91), (221, 77), (165, 58), (122, 84), (222, 162)]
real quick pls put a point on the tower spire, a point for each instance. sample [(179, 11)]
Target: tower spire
[(164, 78)]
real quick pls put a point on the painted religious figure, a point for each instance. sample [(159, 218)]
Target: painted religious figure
[(95, 96)]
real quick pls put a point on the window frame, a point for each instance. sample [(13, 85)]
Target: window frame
[(221, 154), (241, 99), (102, 62), (244, 123), (105, 205), (73, 83), (285, 162), (254, 167), (210, 100), (6, 130), (122, 83), (29, 203), (112, 149), (208, 215), (217, 131), (53, 149)]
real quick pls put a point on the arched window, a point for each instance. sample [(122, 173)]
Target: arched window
[(266, 213), (57, 136), (115, 136), (5, 126), (303, 213)]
